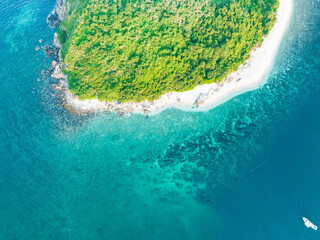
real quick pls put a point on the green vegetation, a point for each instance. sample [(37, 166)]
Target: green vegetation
[(132, 50)]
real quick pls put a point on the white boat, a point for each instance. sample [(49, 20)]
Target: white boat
[(309, 224)]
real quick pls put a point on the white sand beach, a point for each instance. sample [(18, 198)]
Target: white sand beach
[(251, 75)]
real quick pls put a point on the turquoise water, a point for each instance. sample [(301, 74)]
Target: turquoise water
[(248, 169)]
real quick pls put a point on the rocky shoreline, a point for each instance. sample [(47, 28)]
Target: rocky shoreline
[(59, 13), (249, 76), (72, 102)]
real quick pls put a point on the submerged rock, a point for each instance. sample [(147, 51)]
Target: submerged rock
[(50, 52)]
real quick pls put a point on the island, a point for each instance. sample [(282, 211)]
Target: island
[(144, 55)]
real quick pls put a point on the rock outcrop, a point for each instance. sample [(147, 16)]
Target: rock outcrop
[(53, 19), (53, 65), (57, 73), (57, 45), (50, 52), (56, 42), (59, 13)]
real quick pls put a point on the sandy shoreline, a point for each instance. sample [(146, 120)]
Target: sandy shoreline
[(251, 75)]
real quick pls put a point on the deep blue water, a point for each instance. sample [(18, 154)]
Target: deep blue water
[(248, 169)]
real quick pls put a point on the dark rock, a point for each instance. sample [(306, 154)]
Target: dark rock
[(53, 20), (50, 52), (59, 13)]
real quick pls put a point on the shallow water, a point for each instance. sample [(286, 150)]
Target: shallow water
[(247, 169)]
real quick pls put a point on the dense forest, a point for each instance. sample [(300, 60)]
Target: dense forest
[(133, 50)]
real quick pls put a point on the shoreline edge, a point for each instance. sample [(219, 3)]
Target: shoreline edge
[(251, 75)]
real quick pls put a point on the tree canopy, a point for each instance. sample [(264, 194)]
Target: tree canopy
[(133, 50)]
